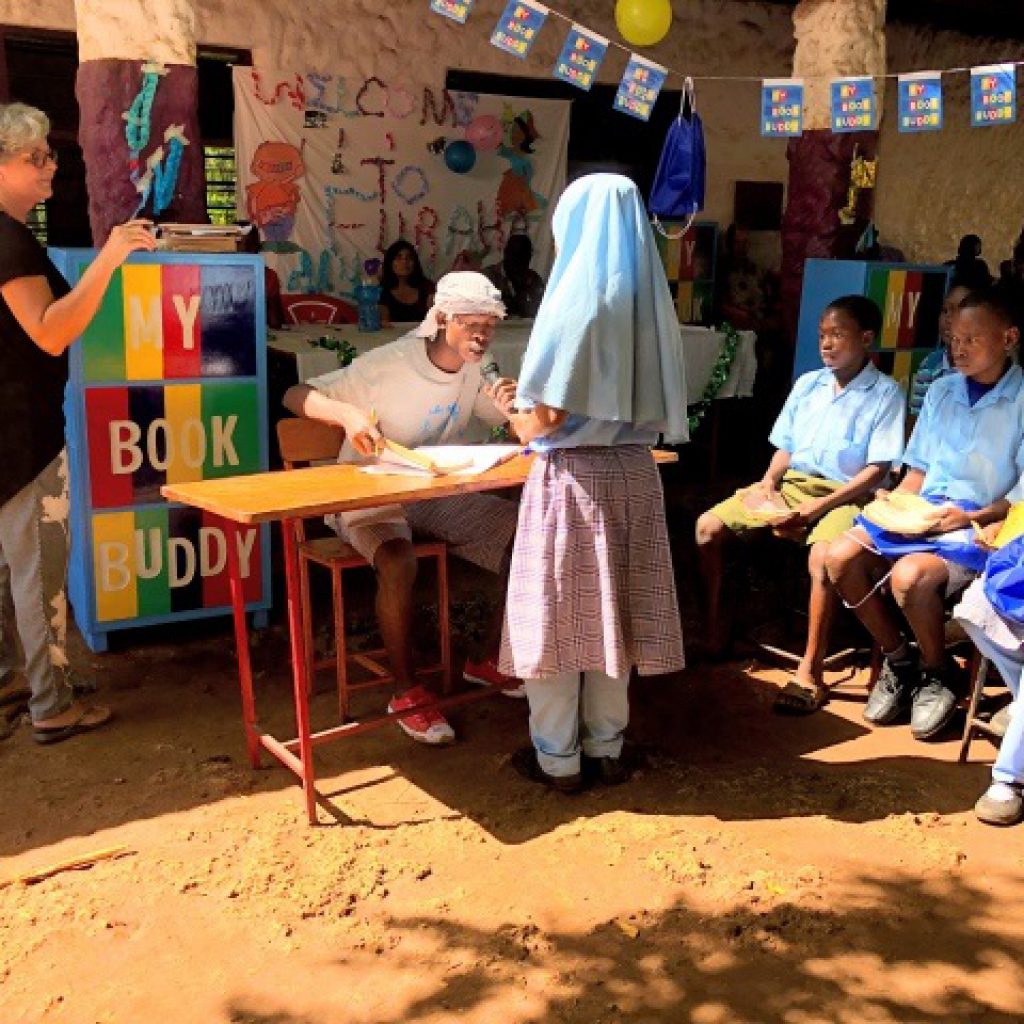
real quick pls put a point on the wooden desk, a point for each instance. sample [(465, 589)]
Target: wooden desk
[(285, 497)]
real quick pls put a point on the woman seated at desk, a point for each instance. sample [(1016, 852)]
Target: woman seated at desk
[(406, 292)]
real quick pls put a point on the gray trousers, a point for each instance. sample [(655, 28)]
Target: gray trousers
[(33, 601)]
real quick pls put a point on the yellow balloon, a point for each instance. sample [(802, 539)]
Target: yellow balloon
[(643, 22)]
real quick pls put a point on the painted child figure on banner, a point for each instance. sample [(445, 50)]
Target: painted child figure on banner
[(591, 592), (425, 388)]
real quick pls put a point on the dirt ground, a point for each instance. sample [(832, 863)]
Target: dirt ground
[(758, 869)]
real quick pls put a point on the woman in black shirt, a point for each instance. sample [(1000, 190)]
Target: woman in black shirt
[(406, 292), (40, 317)]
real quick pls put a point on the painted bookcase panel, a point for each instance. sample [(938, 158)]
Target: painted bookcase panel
[(168, 384)]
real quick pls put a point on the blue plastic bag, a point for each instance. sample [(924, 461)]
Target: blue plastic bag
[(1004, 580), (678, 189), (958, 546)]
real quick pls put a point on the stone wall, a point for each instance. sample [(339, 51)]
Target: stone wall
[(932, 188)]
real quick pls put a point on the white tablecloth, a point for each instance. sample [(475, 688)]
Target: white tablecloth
[(701, 346)]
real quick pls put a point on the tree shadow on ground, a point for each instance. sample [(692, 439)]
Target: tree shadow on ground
[(896, 950)]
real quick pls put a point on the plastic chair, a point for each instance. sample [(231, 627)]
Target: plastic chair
[(302, 442), (318, 309)]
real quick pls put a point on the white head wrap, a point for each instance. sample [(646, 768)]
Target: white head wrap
[(462, 292)]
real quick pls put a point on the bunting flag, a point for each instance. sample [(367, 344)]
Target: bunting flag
[(638, 91), (457, 10), (782, 107), (157, 561), (140, 437), (172, 321), (518, 26), (920, 102), (854, 105), (854, 100), (581, 57), (993, 95)]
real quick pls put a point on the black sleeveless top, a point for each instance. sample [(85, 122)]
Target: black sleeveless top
[(406, 312), (31, 382)]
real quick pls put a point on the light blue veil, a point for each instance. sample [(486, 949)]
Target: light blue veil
[(606, 341)]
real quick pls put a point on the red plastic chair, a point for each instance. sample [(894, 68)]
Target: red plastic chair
[(318, 309)]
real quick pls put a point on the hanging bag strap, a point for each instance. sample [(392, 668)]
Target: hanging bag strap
[(687, 108)]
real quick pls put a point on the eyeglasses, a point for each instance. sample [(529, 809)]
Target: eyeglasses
[(483, 327), (39, 158)]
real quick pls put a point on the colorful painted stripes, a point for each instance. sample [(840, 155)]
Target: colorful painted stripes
[(141, 437), (157, 561), (173, 321)]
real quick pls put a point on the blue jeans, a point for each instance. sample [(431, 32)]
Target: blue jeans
[(572, 713), (33, 605), (1009, 766)]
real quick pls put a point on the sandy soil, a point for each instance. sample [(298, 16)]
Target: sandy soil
[(758, 869)]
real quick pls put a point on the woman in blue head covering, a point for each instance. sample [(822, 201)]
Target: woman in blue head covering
[(591, 590)]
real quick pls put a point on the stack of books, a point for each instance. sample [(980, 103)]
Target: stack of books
[(198, 237)]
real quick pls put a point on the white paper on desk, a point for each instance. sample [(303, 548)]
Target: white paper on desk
[(470, 458)]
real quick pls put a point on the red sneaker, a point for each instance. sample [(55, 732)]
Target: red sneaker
[(485, 673), (425, 725)]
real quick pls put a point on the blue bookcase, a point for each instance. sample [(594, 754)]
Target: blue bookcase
[(168, 384)]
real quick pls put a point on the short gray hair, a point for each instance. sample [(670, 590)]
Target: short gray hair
[(21, 127)]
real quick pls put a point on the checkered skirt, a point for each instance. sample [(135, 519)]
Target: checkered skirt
[(591, 584)]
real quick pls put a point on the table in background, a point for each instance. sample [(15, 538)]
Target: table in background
[(701, 347), (285, 497)]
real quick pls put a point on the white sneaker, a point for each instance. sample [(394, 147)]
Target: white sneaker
[(424, 724), (1001, 804)]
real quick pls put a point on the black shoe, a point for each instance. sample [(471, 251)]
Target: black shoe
[(891, 697), (934, 704), (609, 771), (525, 763)]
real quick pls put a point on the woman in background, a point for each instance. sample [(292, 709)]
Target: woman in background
[(406, 292)]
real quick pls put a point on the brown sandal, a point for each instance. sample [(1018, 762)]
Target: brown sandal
[(797, 699), (93, 716)]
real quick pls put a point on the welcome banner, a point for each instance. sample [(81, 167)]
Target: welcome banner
[(335, 169)]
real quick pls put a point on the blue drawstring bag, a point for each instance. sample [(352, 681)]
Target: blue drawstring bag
[(958, 546), (678, 190), (1004, 580)]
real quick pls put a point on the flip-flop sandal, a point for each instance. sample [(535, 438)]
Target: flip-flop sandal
[(57, 734), (796, 699)]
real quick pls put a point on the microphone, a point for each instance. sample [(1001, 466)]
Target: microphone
[(490, 372)]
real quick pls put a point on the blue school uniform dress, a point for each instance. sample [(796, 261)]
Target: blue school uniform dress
[(972, 453), (833, 434)]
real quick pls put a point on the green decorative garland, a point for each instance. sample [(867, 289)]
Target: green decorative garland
[(719, 375), (341, 347)]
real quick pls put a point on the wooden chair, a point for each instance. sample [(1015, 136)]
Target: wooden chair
[(975, 724), (301, 442), (318, 309)]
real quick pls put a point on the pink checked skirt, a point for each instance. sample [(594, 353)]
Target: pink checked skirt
[(591, 584)]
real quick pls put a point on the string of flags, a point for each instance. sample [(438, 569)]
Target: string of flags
[(854, 100)]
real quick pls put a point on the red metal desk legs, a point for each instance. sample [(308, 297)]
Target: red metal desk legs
[(255, 737), (300, 669), (252, 732)]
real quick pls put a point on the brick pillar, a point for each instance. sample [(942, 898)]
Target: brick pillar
[(115, 41), (834, 38)]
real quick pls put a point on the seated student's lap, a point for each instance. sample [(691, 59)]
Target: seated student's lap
[(856, 542), (796, 489), (477, 527)]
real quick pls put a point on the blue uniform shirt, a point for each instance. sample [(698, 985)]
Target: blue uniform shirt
[(972, 453), (835, 434)]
